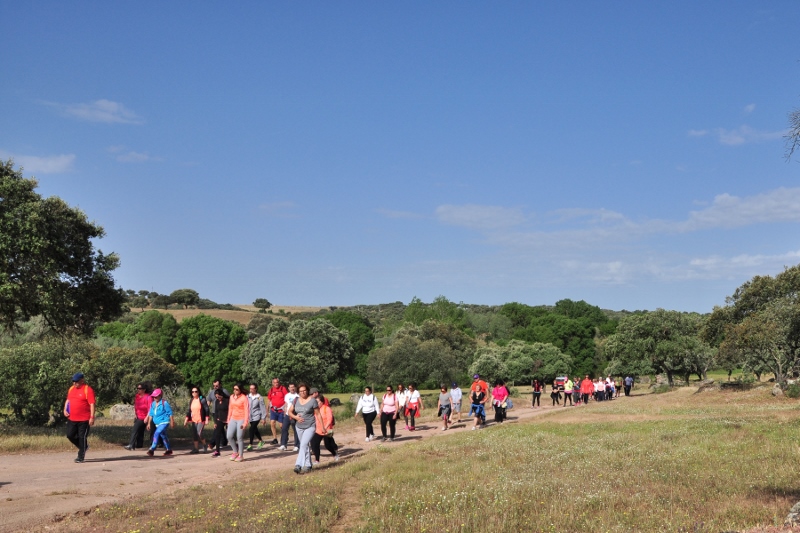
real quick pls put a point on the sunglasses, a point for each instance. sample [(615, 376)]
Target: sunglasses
[(195, 392), (139, 388)]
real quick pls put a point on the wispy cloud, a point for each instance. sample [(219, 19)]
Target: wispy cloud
[(727, 211), (697, 133), (480, 217), (407, 215), (749, 108), (105, 111), (745, 134), (278, 209), (34, 164), (123, 155)]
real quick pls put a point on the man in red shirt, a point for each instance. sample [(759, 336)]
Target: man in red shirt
[(79, 410), (276, 396)]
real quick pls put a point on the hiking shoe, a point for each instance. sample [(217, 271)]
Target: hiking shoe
[(384, 439), (234, 456), (260, 445), (315, 463), (239, 459), (274, 441), (194, 452), (297, 469), (215, 454), (151, 453), (128, 447), (366, 440), (282, 448), (168, 452), (336, 458), (249, 448), (79, 459), (295, 449), (306, 470)]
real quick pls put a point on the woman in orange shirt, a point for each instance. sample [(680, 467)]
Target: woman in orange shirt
[(197, 414), (238, 417)]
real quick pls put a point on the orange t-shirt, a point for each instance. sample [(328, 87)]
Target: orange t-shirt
[(197, 411), (239, 408), (483, 384), (79, 401)]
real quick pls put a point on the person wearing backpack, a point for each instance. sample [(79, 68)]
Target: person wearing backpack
[(324, 429)]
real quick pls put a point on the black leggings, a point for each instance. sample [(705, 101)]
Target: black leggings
[(330, 445), (368, 419), (556, 398), (137, 434), (220, 438), (254, 431), (567, 395), (537, 399), (585, 398), (388, 417)]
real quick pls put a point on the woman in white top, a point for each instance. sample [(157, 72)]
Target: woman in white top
[(402, 400), (368, 406), (413, 405)]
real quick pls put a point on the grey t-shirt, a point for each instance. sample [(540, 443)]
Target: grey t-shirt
[(444, 399), (306, 412)]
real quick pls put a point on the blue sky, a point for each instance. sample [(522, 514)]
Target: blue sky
[(629, 154)]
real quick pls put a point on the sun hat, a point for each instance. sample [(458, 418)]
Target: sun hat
[(77, 377), (313, 390), (156, 393)]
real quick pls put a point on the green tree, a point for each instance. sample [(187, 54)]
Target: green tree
[(37, 375), (314, 351), (257, 326), (185, 297), (441, 310), (115, 372), (262, 303), (155, 330), (519, 362), (139, 302), (206, 348), (50, 266)]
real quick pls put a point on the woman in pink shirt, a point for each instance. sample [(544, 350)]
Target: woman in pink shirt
[(141, 407), (389, 407), (238, 417), (499, 397)]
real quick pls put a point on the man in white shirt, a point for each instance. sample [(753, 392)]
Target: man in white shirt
[(288, 399), (456, 395)]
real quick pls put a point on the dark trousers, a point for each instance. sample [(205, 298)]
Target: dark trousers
[(391, 420), (254, 433), (330, 445), (627, 391), (499, 413), (537, 399), (220, 439), (285, 432), (585, 397), (137, 434), (369, 418), (78, 433)]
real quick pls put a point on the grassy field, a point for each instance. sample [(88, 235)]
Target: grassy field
[(242, 317), (678, 461)]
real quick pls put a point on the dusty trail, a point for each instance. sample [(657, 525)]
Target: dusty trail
[(36, 490)]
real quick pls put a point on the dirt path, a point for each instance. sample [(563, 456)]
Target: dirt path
[(36, 490)]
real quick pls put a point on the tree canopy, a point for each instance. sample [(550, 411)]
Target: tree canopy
[(48, 264), (207, 348)]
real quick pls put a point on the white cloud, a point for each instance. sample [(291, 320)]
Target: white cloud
[(480, 217), (136, 157), (745, 134), (727, 211), (102, 110), (278, 209), (34, 164), (749, 108), (697, 133), (408, 215)]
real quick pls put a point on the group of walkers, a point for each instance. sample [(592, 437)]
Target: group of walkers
[(579, 392), (307, 413)]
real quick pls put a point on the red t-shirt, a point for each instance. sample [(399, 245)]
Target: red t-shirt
[(277, 397), (79, 401)]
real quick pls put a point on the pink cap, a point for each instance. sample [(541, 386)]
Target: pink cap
[(156, 393)]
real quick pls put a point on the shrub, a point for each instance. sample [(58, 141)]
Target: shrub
[(793, 390)]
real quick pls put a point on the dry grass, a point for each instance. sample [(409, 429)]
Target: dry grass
[(242, 317), (713, 462)]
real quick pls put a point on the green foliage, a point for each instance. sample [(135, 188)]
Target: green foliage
[(358, 328), (519, 362), (660, 341), (262, 303), (429, 354), (37, 375), (139, 302), (56, 271), (185, 297), (155, 330), (115, 372), (114, 330), (314, 351), (258, 325), (440, 310), (206, 348), (33, 330), (793, 391)]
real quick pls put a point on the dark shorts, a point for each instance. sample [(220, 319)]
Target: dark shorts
[(276, 416)]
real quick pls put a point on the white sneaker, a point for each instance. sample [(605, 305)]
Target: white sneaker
[(282, 448), (335, 457), (295, 449), (366, 440), (473, 428), (315, 463)]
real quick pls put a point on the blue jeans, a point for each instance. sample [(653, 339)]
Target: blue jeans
[(161, 433), (304, 455)]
